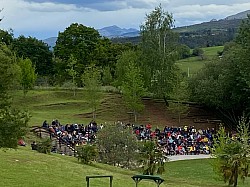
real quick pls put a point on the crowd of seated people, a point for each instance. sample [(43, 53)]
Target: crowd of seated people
[(171, 140), (72, 134), (178, 140)]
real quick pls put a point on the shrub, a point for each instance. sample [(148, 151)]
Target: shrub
[(87, 153), (44, 146)]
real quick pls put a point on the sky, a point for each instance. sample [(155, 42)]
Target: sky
[(45, 18)]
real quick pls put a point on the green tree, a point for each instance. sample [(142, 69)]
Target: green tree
[(107, 78), (28, 75), (198, 52), (72, 72), (13, 123), (13, 126), (152, 159), (132, 83), (117, 146), (184, 51), (44, 146), (243, 39), (179, 95), (37, 51), (223, 85), (9, 74), (92, 84), (87, 153), (6, 37), (159, 53), (79, 41), (231, 156)]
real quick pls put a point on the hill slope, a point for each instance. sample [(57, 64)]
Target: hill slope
[(26, 168), (61, 105), (240, 15)]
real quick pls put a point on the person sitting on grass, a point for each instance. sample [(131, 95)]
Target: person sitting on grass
[(34, 146)]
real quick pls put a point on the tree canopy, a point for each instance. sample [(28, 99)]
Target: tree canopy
[(37, 51), (132, 85), (9, 74), (13, 123), (224, 84), (28, 75)]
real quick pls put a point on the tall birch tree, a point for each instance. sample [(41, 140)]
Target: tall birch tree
[(159, 52)]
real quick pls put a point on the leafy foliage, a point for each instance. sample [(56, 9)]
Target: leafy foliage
[(79, 41), (92, 83), (232, 154), (13, 123), (198, 52), (132, 82), (184, 51), (9, 74), (152, 159), (87, 153), (72, 72), (107, 78), (159, 44), (44, 146), (179, 95), (37, 51), (117, 146), (13, 126), (224, 84), (6, 37), (28, 75)]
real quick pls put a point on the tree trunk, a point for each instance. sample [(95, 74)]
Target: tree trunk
[(166, 101), (135, 116), (236, 176)]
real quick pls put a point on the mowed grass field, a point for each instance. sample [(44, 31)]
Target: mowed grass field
[(26, 168), (193, 64)]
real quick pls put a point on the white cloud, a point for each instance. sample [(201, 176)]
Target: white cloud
[(44, 19)]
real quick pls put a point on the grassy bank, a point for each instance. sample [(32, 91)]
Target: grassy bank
[(26, 168), (63, 105)]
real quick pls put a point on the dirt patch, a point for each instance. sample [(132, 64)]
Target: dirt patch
[(155, 112)]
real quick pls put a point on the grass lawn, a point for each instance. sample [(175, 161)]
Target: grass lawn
[(62, 105), (26, 168), (192, 64)]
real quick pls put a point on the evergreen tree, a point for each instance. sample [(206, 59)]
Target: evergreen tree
[(13, 123)]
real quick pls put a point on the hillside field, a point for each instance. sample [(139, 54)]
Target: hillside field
[(193, 64), (26, 168), (61, 104)]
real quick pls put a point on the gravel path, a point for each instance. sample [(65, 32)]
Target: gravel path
[(187, 157)]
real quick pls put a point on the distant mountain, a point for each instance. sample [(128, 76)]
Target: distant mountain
[(241, 15), (212, 25), (51, 42), (115, 31), (215, 28), (109, 32)]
